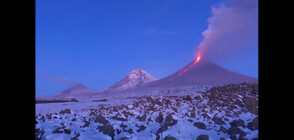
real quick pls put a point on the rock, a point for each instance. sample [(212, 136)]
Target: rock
[(118, 131), (218, 121), (57, 130), (251, 104), (141, 128), (253, 125), (143, 118), (223, 129), (174, 109), (76, 135), (169, 138), (122, 125), (130, 131), (149, 119), (203, 137), (74, 119), (222, 138), (188, 98), (67, 131), (65, 111), (198, 97), (116, 117), (200, 125), (123, 138), (39, 133), (170, 121), (101, 119), (235, 130), (236, 123), (107, 129), (159, 119), (255, 138), (193, 115), (87, 123), (239, 103)]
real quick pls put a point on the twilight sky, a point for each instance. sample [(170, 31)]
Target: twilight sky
[(97, 42)]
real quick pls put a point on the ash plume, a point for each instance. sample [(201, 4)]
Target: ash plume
[(232, 27)]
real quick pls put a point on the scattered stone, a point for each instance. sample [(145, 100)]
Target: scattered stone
[(223, 129), (130, 131), (39, 133), (200, 125), (123, 138), (67, 131), (122, 125), (188, 98), (169, 138), (116, 117), (236, 123), (87, 123), (251, 104), (253, 125), (222, 138), (235, 130), (57, 130), (174, 109), (76, 136), (101, 119), (203, 137), (143, 118), (65, 111), (170, 121), (218, 121), (159, 119), (118, 131), (141, 128), (107, 129)]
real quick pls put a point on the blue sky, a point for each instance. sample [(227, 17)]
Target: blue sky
[(97, 42)]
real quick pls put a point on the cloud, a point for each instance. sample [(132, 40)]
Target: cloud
[(232, 27), (55, 79)]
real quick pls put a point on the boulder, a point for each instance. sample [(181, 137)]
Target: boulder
[(253, 125), (107, 129), (101, 119)]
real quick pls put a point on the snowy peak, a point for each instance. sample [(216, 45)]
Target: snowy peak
[(78, 90), (135, 78)]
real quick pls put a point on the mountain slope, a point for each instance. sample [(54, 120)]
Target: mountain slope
[(135, 78), (77, 91), (202, 73)]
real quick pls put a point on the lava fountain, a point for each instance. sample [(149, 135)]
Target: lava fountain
[(194, 63)]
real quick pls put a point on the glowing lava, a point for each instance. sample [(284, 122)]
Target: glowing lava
[(194, 63)]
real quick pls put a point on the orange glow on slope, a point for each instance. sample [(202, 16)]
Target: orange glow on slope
[(194, 63)]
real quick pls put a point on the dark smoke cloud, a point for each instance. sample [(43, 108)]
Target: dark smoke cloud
[(55, 79), (233, 27)]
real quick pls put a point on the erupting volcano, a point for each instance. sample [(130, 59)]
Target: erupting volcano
[(195, 62), (201, 72)]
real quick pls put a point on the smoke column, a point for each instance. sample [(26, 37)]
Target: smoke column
[(233, 27), (55, 79)]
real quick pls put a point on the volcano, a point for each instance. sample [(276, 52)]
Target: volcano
[(201, 73), (77, 91), (134, 79)]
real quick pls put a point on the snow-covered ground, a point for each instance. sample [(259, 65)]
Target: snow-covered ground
[(228, 112)]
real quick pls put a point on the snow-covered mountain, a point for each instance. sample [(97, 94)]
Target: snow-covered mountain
[(135, 78), (77, 91)]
